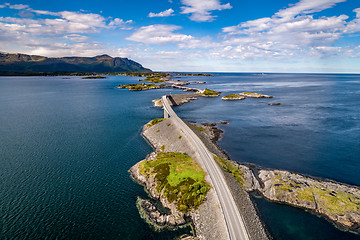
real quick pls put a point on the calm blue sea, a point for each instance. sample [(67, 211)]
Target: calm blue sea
[(66, 146)]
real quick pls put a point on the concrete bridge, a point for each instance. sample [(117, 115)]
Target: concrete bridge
[(234, 222)]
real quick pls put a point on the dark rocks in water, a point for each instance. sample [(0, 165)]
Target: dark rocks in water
[(153, 216), (213, 124), (274, 104), (224, 122), (94, 77)]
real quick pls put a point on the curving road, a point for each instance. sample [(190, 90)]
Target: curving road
[(233, 219)]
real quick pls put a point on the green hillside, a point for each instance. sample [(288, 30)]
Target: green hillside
[(22, 64)]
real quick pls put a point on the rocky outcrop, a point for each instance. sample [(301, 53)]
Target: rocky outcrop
[(175, 218), (338, 202), (176, 99), (254, 95), (208, 220), (232, 97)]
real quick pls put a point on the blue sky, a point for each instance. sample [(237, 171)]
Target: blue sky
[(191, 35)]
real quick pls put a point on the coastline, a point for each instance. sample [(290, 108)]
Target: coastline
[(207, 220), (257, 182), (321, 204)]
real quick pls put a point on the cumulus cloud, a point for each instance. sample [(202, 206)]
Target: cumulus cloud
[(76, 37), (307, 6), (65, 22), (64, 49), (117, 22), (159, 34), (46, 35), (165, 13), (291, 31), (201, 10)]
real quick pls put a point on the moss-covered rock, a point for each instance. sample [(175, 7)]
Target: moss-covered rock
[(208, 93), (142, 86), (233, 97), (254, 95), (179, 178)]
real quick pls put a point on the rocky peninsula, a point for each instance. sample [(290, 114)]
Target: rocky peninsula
[(339, 203), (203, 212)]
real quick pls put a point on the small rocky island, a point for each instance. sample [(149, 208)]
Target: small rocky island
[(208, 93), (94, 77), (142, 86), (233, 97), (254, 95)]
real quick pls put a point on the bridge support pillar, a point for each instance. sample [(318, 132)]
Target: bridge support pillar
[(166, 115)]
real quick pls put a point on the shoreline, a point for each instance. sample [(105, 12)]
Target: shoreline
[(207, 220), (321, 205)]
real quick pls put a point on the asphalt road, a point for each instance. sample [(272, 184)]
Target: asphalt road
[(233, 219)]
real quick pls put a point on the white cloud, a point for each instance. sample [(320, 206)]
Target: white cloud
[(66, 22), (76, 37), (201, 10), (63, 49), (41, 12), (46, 35), (18, 6), (117, 22), (159, 34), (165, 13), (307, 6), (291, 31), (354, 25), (357, 11)]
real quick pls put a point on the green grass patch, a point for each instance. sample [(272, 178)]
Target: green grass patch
[(208, 92), (153, 79), (179, 177), (141, 86), (334, 202), (237, 173), (179, 137), (201, 129), (233, 96), (155, 121), (338, 203)]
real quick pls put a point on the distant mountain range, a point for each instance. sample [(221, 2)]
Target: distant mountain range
[(22, 64)]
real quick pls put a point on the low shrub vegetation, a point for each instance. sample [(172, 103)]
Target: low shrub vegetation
[(155, 121), (208, 92), (229, 167), (180, 179), (201, 129)]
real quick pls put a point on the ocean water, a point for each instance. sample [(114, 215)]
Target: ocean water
[(66, 146)]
